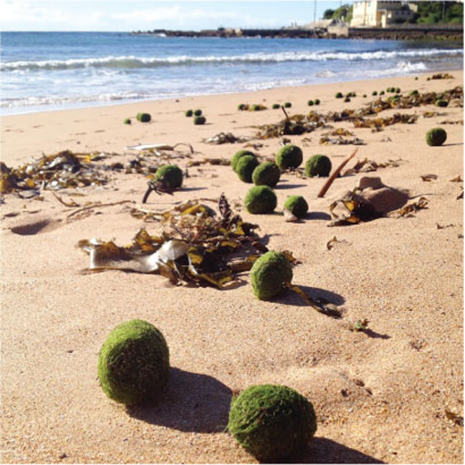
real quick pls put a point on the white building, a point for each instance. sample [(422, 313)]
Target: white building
[(375, 13)]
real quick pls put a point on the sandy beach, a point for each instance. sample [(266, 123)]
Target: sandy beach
[(393, 394)]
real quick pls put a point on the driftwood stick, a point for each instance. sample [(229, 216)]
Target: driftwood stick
[(325, 188), (285, 113)]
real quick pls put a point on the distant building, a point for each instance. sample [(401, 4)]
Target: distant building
[(375, 13)]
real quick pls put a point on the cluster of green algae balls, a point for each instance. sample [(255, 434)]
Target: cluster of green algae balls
[(260, 199), (272, 422), (266, 174), (133, 364), (170, 176), (289, 156), (297, 205), (436, 137), (318, 165), (270, 274)]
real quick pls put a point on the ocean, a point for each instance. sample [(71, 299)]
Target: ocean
[(42, 71)]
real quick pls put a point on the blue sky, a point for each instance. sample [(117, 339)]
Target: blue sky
[(129, 15)]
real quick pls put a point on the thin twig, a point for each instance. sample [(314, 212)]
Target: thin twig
[(325, 188), (285, 113), (99, 205)]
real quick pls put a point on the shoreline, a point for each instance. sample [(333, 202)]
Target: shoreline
[(388, 394), (86, 105)]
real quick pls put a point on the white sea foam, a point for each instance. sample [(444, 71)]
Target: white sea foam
[(128, 62)]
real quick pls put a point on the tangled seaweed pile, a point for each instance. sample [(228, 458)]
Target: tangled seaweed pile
[(198, 245), (53, 172)]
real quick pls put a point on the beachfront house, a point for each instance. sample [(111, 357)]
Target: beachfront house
[(375, 13)]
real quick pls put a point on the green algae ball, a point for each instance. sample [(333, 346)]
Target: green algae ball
[(245, 167), (310, 103), (199, 120), (266, 174), (276, 106), (288, 105), (170, 176), (241, 106), (238, 155), (347, 99), (133, 365), (297, 205), (260, 199), (189, 113), (143, 117), (412, 93), (318, 165), (397, 90), (339, 95), (374, 93), (382, 92), (198, 112), (269, 275), (442, 103), (127, 121), (272, 422), (436, 137), (317, 101), (289, 156)]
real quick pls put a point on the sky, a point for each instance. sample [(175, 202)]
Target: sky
[(130, 15)]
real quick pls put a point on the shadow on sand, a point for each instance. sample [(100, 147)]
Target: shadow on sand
[(192, 403)]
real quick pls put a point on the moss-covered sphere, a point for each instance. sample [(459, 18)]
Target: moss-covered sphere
[(436, 137), (276, 106), (266, 174), (374, 93), (198, 112), (245, 167), (133, 365), (289, 156), (241, 106), (199, 120), (143, 117), (170, 176), (397, 90), (272, 422), (317, 101), (269, 275), (382, 92), (238, 155), (347, 99), (288, 105), (310, 103), (189, 113), (297, 205), (412, 93), (339, 95), (318, 165), (260, 199), (127, 121), (442, 103)]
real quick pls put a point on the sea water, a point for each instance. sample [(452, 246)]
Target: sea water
[(56, 70)]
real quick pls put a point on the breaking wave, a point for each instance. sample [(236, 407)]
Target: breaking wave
[(133, 62)]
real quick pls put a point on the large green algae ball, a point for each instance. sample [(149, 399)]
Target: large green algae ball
[(318, 165), (289, 156), (133, 365), (170, 176), (272, 422), (198, 113), (436, 137), (266, 174), (297, 205), (238, 155), (269, 275), (260, 199), (143, 117), (199, 120), (245, 167)]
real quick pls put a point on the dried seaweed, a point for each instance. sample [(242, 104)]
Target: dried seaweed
[(454, 417), (198, 245), (53, 172), (456, 179), (300, 124), (330, 244), (411, 208), (209, 161), (429, 177), (368, 166), (360, 325), (225, 138), (326, 140), (442, 76)]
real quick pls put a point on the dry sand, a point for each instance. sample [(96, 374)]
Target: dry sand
[(380, 396)]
